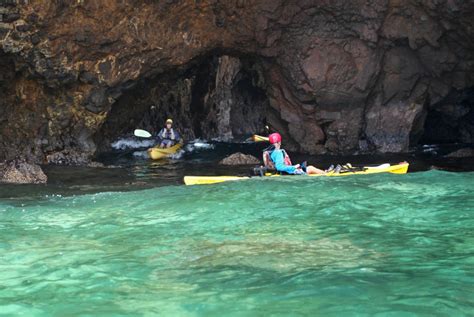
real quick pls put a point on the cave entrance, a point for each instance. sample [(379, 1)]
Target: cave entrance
[(221, 97), (451, 120)]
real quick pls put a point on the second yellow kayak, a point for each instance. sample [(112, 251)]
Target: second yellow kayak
[(157, 153)]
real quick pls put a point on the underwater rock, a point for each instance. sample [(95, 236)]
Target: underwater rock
[(21, 172), (240, 159), (280, 255)]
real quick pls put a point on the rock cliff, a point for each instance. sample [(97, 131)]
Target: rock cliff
[(332, 76)]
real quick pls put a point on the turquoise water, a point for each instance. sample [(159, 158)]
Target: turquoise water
[(380, 245)]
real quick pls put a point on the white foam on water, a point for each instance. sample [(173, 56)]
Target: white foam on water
[(177, 155), (132, 143), (198, 144), (141, 154), (430, 148)]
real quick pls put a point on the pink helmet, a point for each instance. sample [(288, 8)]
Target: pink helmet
[(274, 138)]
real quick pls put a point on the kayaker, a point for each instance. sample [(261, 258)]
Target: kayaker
[(168, 136), (282, 162)]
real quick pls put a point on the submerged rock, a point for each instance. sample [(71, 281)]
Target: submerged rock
[(281, 255), (21, 172), (240, 159)]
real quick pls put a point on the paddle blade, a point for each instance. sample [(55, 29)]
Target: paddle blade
[(259, 138), (142, 133)]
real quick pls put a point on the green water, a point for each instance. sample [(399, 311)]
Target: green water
[(380, 245)]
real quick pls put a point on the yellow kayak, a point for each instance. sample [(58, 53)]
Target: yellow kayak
[(401, 168), (157, 153)]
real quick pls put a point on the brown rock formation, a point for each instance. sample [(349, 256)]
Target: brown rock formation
[(21, 172), (331, 76), (240, 159)]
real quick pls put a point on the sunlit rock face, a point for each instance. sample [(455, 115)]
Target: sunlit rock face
[(331, 76)]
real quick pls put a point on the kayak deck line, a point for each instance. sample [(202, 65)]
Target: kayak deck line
[(401, 168)]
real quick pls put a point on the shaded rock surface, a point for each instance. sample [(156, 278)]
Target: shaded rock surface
[(71, 157), (21, 172), (330, 76), (240, 159), (466, 152)]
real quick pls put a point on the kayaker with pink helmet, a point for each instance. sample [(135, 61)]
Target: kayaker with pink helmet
[(282, 162)]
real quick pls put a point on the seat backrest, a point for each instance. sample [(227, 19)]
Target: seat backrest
[(267, 161)]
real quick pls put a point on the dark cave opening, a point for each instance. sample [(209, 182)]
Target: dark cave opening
[(451, 120), (220, 97)]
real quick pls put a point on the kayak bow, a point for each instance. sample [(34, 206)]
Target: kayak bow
[(401, 168)]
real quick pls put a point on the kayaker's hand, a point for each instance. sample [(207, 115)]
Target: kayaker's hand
[(299, 171), (297, 166)]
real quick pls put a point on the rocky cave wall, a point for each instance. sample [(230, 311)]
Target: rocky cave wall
[(331, 76)]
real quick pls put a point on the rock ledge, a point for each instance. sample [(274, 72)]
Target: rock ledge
[(21, 172)]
